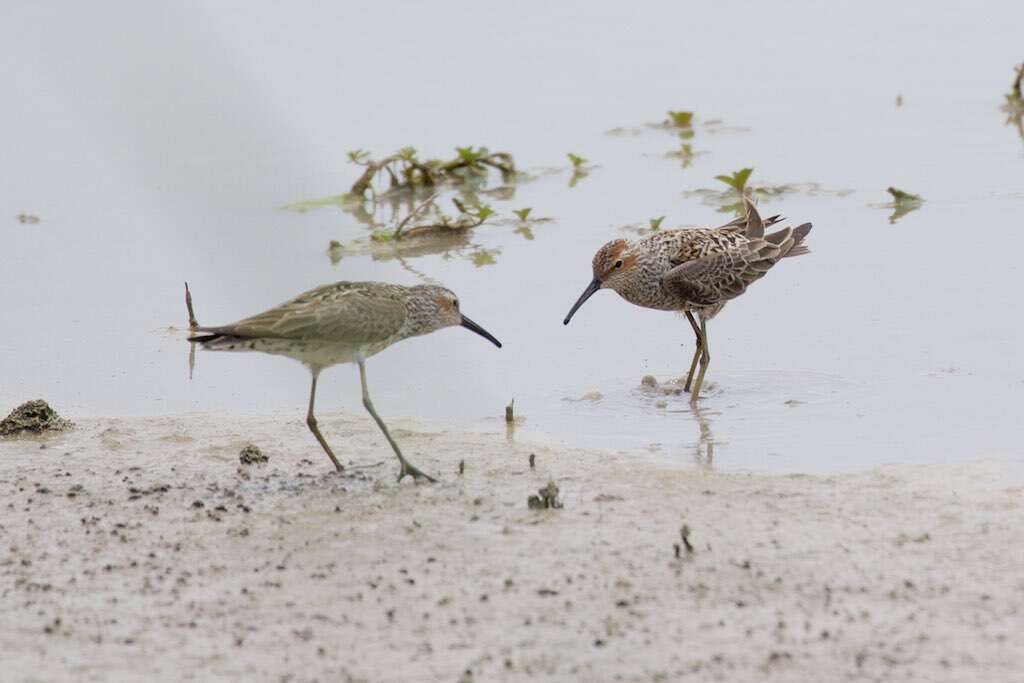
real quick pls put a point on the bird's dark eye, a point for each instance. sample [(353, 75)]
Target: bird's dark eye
[(618, 264), (456, 304)]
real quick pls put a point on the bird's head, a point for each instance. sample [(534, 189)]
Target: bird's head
[(433, 308), (612, 266)]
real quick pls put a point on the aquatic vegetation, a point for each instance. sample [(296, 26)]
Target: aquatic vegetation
[(685, 153), (1014, 104), (525, 231), (682, 122), (404, 169), (577, 161), (523, 214), (484, 257), (739, 185), (737, 180), (435, 220), (899, 196), (580, 169), (656, 222), (902, 203), (449, 245), (680, 119)]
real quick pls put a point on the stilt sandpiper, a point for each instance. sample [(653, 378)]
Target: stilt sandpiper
[(345, 322), (694, 270)]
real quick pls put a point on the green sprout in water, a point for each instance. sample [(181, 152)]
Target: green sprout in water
[(477, 210), (738, 179), (523, 214), (902, 203), (681, 119), (580, 170), (656, 223), (358, 156), (899, 196)]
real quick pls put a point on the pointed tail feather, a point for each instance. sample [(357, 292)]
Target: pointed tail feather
[(204, 338), (799, 233), (791, 240)]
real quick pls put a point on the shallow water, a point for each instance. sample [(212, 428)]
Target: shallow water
[(157, 148)]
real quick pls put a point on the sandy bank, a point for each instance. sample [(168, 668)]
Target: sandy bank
[(134, 549)]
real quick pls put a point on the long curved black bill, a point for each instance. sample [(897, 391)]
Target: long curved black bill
[(473, 327), (594, 285)]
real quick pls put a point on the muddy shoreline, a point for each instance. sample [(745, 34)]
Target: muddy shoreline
[(140, 548)]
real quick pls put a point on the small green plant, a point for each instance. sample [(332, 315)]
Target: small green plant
[(656, 223), (476, 210), (471, 155), (681, 119), (577, 161), (899, 196), (358, 156), (737, 180), (523, 214), (902, 203)]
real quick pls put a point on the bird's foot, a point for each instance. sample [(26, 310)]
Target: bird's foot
[(414, 472)]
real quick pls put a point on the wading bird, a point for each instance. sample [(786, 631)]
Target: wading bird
[(345, 322), (695, 270)]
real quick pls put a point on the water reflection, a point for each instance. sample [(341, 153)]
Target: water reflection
[(704, 450), (902, 203), (730, 200), (451, 244)]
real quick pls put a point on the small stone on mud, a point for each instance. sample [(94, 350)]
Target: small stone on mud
[(252, 455), (661, 404), (648, 381), (33, 416)]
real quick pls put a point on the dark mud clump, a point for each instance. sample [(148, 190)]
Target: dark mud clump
[(33, 416), (547, 498), (252, 455)]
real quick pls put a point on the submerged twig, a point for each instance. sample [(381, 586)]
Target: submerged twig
[(412, 214), (405, 170)]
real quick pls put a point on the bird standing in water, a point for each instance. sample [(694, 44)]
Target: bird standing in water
[(345, 322), (694, 270)]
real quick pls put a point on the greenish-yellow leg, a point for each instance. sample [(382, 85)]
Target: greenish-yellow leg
[(311, 423), (407, 468), (705, 360), (696, 351)]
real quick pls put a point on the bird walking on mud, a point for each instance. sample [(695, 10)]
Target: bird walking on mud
[(344, 322), (696, 270)]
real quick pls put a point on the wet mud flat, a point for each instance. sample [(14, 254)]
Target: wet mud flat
[(141, 548)]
